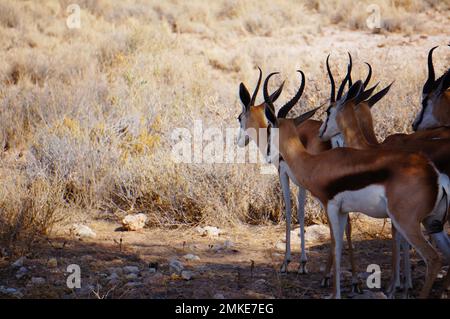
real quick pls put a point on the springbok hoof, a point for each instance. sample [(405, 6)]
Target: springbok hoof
[(302, 268), (356, 288), (405, 293), (325, 283), (284, 267)]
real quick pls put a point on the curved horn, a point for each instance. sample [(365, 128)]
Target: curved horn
[(347, 78), (267, 98), (255, 93), (369, 75), (350, 83), (283, 112), (431, 76), (333, 85)]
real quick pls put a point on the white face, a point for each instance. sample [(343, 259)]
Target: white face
[(243, 138), (337, 141), (329, 127), (425, 119)]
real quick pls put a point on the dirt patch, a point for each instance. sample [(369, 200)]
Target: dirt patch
[(242, 262)]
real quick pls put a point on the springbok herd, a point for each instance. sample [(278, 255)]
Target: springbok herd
[(343, 165)]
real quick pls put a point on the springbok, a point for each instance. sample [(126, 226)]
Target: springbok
[(375, 182), (252, 118), (438, 150), (435, 100)]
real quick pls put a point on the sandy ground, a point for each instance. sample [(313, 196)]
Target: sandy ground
[(242, 262)]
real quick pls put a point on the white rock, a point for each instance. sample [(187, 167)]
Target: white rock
[(131, 269), (191, 257), (176, 266), (18, 263), (218, 296), (317, 233), (187, 275), (209, 231), (83, 231), (37, 281), (134, 222)]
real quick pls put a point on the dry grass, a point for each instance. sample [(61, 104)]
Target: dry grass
[(92, 109)]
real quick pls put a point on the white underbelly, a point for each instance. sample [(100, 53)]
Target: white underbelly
[(370, 200)]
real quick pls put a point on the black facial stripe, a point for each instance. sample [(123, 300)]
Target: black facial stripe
[(422, 113), (326, 122), (268, 140)]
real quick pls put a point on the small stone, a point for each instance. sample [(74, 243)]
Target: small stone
[(83, 231), (18, 263), (131, 269), (117, 270), (176, 266), (37, 281), (156, 278), (153, 265), (187, 275), (218, 296), (134, 222), (191, 257), (21, 272), (131, 276), (52, 263), (114, 275)]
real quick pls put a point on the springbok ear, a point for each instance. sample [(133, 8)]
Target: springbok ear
[(366, 94), (244, 95), (306, 116), (378, 96), (354, 91)]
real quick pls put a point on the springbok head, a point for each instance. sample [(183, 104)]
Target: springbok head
[(252, 116), (278, 120), (329, 128), (435, 110)]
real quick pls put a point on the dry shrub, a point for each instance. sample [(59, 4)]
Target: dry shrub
[(29, 208)]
